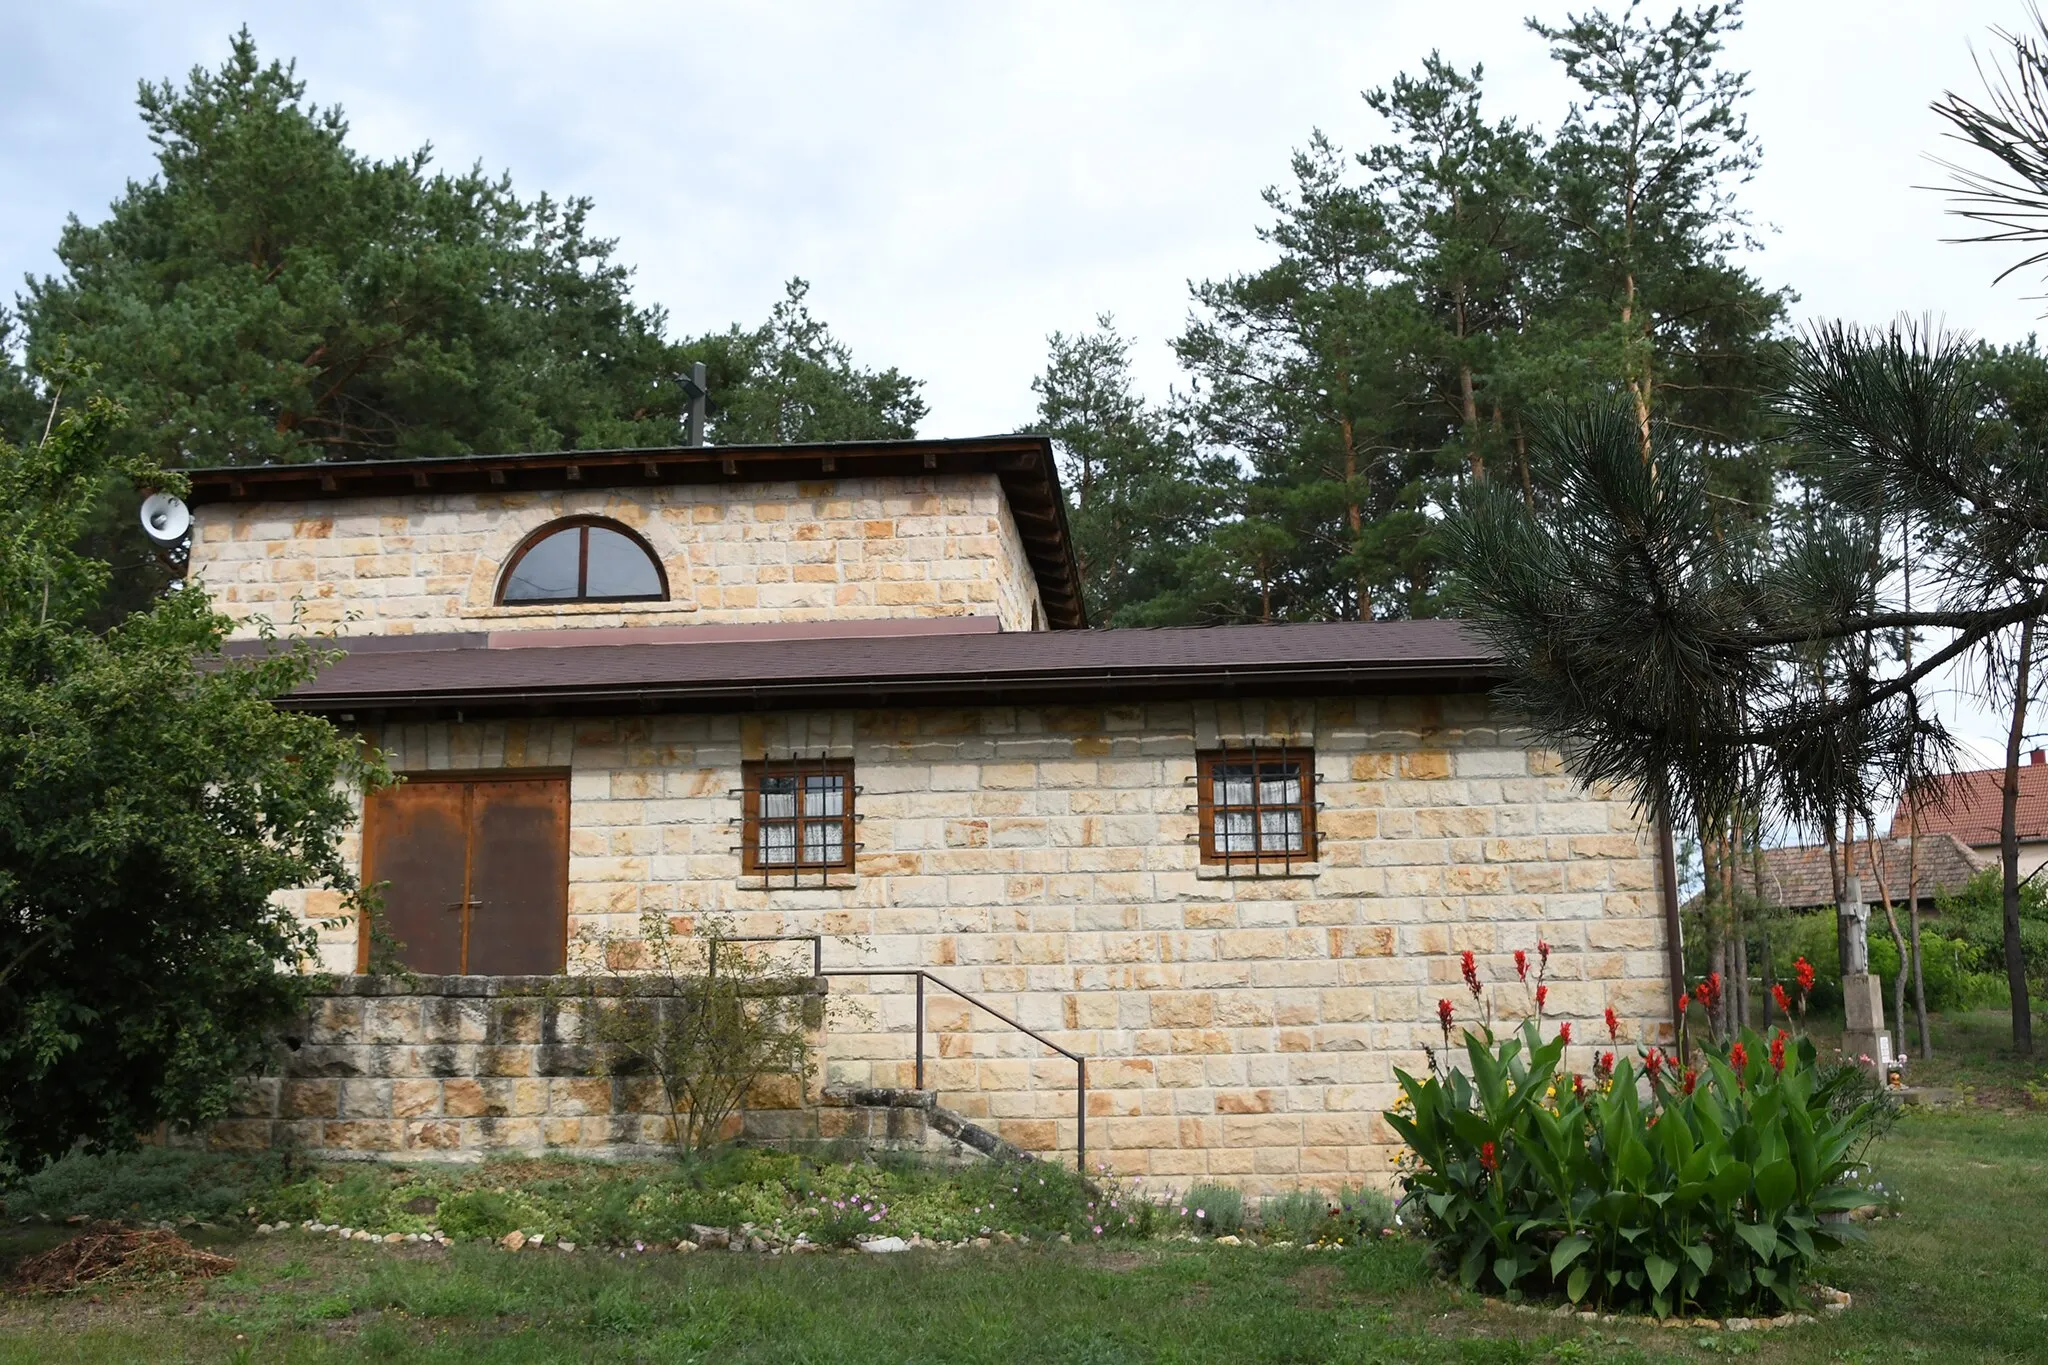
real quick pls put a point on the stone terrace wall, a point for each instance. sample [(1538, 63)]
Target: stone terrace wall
[(1238, 1028), (459, 1066), (738, 554)]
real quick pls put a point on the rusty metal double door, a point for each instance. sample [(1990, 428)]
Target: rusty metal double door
[(476, 872)]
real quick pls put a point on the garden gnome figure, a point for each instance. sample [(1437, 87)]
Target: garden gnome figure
[(1862, 993)]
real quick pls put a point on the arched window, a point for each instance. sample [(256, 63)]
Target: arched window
[(583, 559)]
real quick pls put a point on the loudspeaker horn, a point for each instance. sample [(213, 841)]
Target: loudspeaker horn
[(165, 519)]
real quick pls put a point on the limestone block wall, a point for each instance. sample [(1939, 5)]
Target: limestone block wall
[(457, 1067), (736, 554), (1239, 1028)]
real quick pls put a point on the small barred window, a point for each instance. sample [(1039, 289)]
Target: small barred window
[(798, 816), (1257, 807)]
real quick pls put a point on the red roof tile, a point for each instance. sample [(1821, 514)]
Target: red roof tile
[(1971, 806)]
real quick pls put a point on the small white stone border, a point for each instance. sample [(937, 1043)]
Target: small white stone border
[(1830, 1301)]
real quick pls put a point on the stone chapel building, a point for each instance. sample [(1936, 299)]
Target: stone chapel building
[(850, 690)]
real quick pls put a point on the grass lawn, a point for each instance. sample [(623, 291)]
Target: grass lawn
[(1973, 1056), (1962, 1276)]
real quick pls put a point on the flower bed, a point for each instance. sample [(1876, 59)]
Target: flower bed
[(746, 1197), (1696, 1181)]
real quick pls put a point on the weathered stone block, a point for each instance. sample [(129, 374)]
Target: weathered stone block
[(453, 1020), (392, 1021), (464, 1098), (506, 1061), (309, 1099), (414, 1098), (239, 1135), (435, 1136), (363, 1135)]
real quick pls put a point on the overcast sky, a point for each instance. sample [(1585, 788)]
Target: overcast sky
[(958, 180)]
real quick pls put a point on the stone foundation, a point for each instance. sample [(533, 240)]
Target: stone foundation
[(457, 1067)]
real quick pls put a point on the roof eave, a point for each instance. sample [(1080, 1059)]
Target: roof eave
[(928, 690), (1023, 463)]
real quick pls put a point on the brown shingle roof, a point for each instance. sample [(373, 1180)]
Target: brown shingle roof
[(476, 673), (1798, 878), (1971, 806), (1023, 464)]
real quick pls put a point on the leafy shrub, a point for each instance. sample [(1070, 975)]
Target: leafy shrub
[(1952, 968), (1364, 1213), (478, 1213), (149, 1183), (1034, 1197), (1298, 1216), (1707, 1195), (838, 1222), (705, 1017), (1976, 915), (1116, 1207), (1215, 1209)]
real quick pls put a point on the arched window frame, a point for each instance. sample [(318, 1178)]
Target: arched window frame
[(561, 524)]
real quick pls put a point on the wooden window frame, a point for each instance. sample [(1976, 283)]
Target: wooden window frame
[(582, 524), (751, 776), (1207, 809)]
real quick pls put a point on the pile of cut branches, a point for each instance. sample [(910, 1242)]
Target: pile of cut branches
[(108, 1253)]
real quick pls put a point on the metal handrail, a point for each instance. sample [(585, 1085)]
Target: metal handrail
[(817, 942), (1080, 1062)]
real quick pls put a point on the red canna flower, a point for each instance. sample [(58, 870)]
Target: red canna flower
[(1699, 993), (1578, 1086), (1471, 974), (1738, 1056), (1542, 994), (1778, 1050), (1521, 964), (1564, 1031), (1654, 1064), (1613, 1023), (1543, 951), (1486, 1157), (1802, 970), (1713, 990), (1784, 1001), (1691, 1079), (1443, 1013)]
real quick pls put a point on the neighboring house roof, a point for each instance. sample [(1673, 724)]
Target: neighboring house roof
[(1798, 878), (1023, 464), (871, 663), (1971, 805)]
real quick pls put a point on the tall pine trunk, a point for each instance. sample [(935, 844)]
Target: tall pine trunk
[(2009, 849)]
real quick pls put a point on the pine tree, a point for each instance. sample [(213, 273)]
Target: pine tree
[(791, 380), (1463, 204), (1141, 500), (271, 294), (1300, 369), (1647, 297)]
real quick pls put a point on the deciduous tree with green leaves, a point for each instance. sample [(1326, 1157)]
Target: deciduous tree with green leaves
[(153, 802)]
